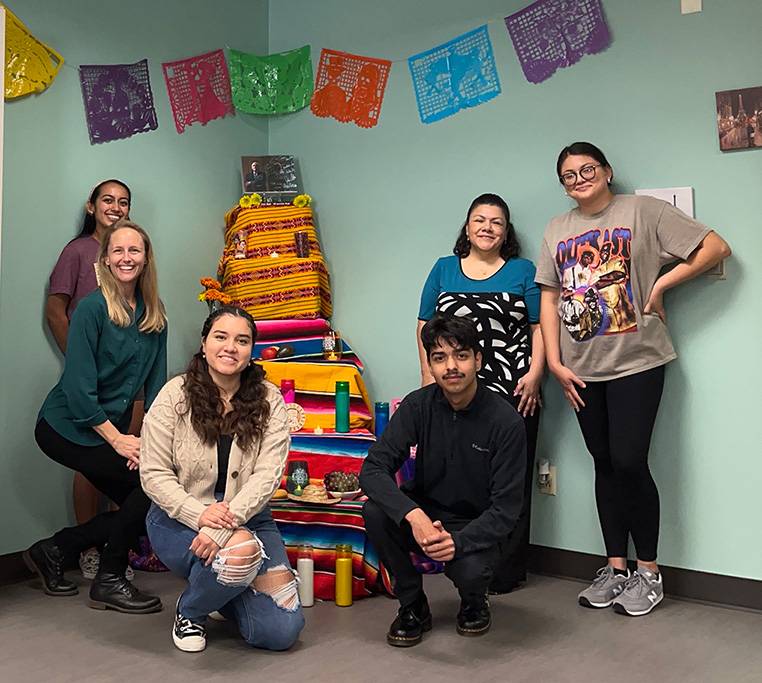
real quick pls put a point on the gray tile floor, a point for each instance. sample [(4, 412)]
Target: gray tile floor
[(538, 634)]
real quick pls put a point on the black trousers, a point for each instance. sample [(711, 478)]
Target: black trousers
[(471, 573), (511, 567), (115, 532), (617, 422)]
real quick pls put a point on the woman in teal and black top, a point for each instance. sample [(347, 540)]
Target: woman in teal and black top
[(487, 281), (116, 347)]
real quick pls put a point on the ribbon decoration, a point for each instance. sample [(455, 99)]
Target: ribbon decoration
[(273, 84), (198, 89), (30, 64)]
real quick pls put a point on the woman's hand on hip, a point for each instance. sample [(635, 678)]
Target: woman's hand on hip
[(569, 383), (528, 387), (655, 304), (204, 548), (218, 516)]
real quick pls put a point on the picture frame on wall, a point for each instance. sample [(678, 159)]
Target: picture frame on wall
[(273, 176), (739, 118)]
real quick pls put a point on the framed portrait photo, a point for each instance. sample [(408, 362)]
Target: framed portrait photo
[(271, 176)]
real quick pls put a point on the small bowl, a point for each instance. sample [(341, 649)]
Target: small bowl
[(346, 495)]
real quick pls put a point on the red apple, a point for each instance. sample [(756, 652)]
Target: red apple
[(269, 353)]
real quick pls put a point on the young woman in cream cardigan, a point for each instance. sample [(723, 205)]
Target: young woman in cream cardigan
[(213, 449)]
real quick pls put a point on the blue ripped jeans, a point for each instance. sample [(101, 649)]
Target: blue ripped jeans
[(261, 621)]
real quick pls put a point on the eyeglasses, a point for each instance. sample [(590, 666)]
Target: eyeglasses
[(569, 179)]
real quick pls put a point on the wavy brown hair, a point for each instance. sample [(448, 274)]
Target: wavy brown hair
[(250, 412)]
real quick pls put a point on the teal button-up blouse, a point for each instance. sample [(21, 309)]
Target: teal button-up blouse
[(105, 368)]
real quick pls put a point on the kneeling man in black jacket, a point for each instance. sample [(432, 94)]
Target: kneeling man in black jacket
[(467, 490)]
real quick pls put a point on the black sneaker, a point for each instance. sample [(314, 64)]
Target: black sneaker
[(187, 635), (474, 617), (46, 560), (114, 591), (409, 626)]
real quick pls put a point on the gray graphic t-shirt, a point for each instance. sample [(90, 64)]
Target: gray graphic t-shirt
[(605, 266)]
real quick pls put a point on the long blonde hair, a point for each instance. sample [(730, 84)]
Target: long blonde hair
[(119, 310)]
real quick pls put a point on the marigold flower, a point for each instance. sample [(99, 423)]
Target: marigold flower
[(210, 283)]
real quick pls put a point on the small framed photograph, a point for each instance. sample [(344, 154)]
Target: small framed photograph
[(270, 175), (739, 118)]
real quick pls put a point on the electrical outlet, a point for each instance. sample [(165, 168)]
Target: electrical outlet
[(549, 486)]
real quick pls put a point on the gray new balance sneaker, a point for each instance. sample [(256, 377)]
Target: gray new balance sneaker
[(605, 587), (642, 592)]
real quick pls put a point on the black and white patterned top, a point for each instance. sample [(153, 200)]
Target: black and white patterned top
[(503, 307), (503, 324)]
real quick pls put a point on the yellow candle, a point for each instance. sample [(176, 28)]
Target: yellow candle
[(343, 575)]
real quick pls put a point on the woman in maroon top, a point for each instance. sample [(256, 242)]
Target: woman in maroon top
[(73, 278)]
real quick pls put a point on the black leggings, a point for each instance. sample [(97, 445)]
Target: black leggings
[(617, 422), (511, 568), (116, 532)]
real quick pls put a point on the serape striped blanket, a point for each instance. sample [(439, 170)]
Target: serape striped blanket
[(315, 391), (330, 451), (278, 329), (259, 268), (304, 349), (324, 527)]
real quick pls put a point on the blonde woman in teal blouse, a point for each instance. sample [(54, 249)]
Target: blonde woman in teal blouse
[(116, 346)]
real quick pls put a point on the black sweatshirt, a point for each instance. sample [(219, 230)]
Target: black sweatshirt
[(469, 465)]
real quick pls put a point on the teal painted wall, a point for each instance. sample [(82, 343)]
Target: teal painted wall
[(390, 200), (182, 185)]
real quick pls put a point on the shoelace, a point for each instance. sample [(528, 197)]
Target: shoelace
[(636, 582), (189, 628), (602, 575)]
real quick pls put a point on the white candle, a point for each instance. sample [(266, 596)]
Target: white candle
[(305, 568)]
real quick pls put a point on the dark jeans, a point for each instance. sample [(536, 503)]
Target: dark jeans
[(471, 573), (116, 532), (511, 567), (617, 422)]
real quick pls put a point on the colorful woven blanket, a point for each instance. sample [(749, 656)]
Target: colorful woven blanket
[(259, 268), (315, 391), (330, 451), (324, 527)]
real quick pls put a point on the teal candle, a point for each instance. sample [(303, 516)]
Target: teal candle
[(342, 406)]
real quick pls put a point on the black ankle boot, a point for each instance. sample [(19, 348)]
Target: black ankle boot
[(409, 626), (46, 560), (113, 591), (474, 617)]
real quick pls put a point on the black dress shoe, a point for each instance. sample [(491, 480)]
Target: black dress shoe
[(409, 626), (46, 560), (473, 618), (113, 591)]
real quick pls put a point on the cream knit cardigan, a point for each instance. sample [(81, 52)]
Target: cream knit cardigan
[(179, 472)]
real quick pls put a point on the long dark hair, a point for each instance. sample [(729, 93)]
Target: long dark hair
[(250, 409), (587, 149), (88, 223), (509, 249)]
